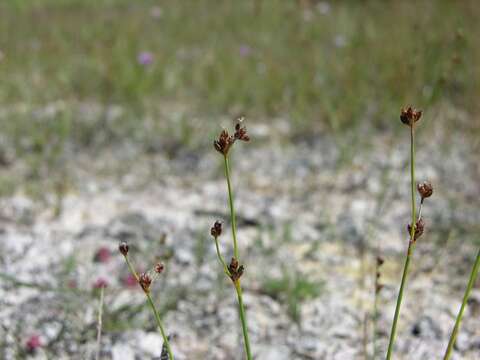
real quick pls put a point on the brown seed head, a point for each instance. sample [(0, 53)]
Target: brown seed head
[(145, 281), (216, 229), (233, 265), (419, 228), (409, 116), (159, 267), (425, 189), (241, 130), (224, 142), (123, 248), (236, 270)]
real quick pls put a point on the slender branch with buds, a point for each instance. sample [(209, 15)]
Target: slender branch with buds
[(234, 270), (410, 117), (145, 281)]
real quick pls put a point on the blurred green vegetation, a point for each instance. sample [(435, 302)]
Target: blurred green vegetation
[(292, 290), (70, 68)]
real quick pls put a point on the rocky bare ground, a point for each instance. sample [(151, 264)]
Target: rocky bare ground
[(303, 215)]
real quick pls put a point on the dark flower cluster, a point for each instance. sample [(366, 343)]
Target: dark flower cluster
[(225, 140), (236, 270), (425, 189), (410, 116), (419, 228), (216, 229)]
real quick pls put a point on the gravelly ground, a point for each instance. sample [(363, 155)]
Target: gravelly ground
[(300, 212)]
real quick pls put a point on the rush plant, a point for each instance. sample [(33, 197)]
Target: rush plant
[(410, 117), (145, 280), (234, 270)]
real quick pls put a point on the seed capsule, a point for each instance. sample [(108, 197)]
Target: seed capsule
[(425, 189), (216, 229), (419, 228), (409, 116), (123, 247), (159, 268), (145, 281)]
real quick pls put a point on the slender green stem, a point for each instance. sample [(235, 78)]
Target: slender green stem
[(131, 268), (471, 282), (375, 321), (160, 326), (99, 322), (233, 217), (154, 309), (238, 288), (243, 319), (220, 257), (411, 245)]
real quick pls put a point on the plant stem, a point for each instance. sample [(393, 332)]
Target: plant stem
[(154, 309), (375, 321), (238, 288), (411, 245), (243, 319), (99, 323), (471, 282), (160, 326), (233, 218), (220, 257)]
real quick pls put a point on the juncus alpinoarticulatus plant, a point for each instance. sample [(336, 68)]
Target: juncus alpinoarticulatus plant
[(410, 117), (234, 270), (145, 281)]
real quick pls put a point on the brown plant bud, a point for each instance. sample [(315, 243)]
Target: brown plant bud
[(380, 261), (233, 265), (241, 130), (419, 228), (159, 267), (425, 189), (123, 248), (216, 229), (237, 274), (224, 142), (409, 116), (235, 270), (145, 281)]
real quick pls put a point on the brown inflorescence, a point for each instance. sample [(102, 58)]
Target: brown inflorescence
[(236, 270), (425, 189), (410, 116), (225, 140), (123, 248), (216, 229), (419, 228), (145, 281), (159, 267), (241, 131)]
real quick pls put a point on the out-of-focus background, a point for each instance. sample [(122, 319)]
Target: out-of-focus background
[(108, 111)]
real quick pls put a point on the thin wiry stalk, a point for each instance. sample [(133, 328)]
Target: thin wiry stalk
[(99, 322), (220, 257), (411, 245), (154, 309), (243, 319), (238, 287), (471, 282), (233, 217), (375, 323)]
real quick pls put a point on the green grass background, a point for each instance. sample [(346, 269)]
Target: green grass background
[(69, 68)]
